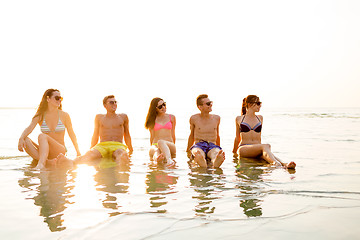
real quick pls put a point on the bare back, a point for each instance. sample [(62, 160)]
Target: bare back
[(206, 129)]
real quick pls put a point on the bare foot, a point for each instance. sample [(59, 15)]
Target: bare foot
[(291, 165), (40, 166), (51, 163), (220, 157), (200, 160), (63, 161), (159, 158), (122, 158), (170, 162)]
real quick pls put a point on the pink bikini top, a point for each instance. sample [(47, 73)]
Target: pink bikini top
[(167, 125)]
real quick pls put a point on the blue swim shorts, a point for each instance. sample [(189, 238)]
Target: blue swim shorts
[(205, 146)]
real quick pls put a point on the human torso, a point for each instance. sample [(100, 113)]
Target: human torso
[(206, 129), (250, 129), (111, 128), (162, 129), (53, 125)]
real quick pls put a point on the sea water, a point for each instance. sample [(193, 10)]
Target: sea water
[(242, 199)]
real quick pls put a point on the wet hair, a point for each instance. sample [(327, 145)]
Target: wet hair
[(200, 98), (43, 106), (106, 98), (152, 113), (249, 100)]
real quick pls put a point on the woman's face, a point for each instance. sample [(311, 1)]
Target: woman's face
[(55, 99), (255, 106), (161, 107)]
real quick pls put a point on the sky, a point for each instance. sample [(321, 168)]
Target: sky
[(289, 53)]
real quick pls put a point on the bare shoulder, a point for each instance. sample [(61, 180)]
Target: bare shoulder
[(261, 117), (194, 117), (238, 119), (123, 116), (216, 117), (99, 116), (172, 117), (62, 113)]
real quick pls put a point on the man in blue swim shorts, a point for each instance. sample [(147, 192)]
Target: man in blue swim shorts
[(111, 128), (204, 127)]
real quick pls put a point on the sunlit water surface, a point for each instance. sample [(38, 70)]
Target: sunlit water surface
[(320, 200)]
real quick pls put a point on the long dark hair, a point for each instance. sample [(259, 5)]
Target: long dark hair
[(43, 106), (250, 99), (152, 113)]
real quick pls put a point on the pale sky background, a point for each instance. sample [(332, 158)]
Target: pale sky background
[(290, 53)]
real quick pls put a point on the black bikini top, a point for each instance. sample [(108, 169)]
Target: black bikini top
[(245, 127)]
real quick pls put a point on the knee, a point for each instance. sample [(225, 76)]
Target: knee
[(267, 146), (42, 136)]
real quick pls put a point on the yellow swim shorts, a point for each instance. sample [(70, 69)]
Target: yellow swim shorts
[(108, 148)]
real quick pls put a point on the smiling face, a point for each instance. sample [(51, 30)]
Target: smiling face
[(111, 104), (161, 107)]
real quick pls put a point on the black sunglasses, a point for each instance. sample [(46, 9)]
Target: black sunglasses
[(209, 103), (57, 98), (113, 102), (257, 103), (161, 106)]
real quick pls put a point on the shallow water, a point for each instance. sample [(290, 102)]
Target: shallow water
[(320, 200)]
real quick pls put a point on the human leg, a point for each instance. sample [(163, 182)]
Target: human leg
[(199, 156), (217, 156), (31, 148), (168, 149), (121, 156), (49, 148)]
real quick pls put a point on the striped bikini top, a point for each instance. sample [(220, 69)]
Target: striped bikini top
[(59, 127)]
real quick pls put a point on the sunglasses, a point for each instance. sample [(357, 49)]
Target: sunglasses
[(257, 103), (161, 106), (57, 98), (113, 102), (208, 103)]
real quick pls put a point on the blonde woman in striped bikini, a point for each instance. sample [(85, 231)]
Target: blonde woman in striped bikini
[(53, 122)]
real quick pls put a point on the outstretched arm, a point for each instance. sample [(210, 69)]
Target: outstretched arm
[(95, 137), (71, 133), (26, 132), (191, 136), (127, 136)]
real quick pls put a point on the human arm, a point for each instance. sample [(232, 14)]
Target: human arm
[(192, 135), (173, 121), (71, 133), (217, 132), (26, 132), (127, 136), (95, 137), (237, 137)]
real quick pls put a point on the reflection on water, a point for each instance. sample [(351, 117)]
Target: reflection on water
[(113, 181), (249, 173), (51, 191), (206, 184), (160, 182)]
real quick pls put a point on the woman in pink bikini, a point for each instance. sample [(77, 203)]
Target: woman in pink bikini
[(162, 132), (53, 122)]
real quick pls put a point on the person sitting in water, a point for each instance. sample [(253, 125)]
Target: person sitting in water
[(204, 132), (248, 134), (53, 122), (162, 132), (111, 128)]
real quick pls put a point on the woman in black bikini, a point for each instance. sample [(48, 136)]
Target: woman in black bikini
[(249, 138), (53, 122)]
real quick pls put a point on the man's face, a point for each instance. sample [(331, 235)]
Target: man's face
[(206, 105), (111, 105)]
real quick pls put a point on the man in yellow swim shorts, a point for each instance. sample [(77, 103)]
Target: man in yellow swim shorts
[(111, 128)]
